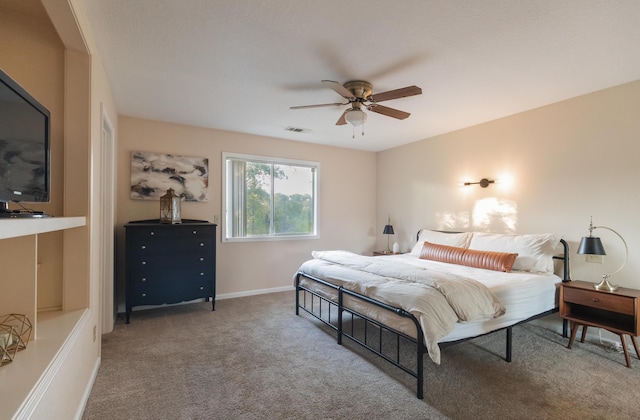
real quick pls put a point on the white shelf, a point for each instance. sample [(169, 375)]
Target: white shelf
[(14, 228), (23, 381)]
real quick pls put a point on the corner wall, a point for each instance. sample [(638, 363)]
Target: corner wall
[(562, 164), (346, 200)]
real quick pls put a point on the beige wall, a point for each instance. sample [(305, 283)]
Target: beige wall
[(32, 54), (46, 49), (566, 162), (347, 191)]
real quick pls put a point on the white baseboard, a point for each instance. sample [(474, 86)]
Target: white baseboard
[(254, 292), (122, 309), (88, 388)]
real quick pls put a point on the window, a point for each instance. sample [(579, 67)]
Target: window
[(269, 198)]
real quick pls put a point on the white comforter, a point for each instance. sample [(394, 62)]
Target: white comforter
[(437, 299)]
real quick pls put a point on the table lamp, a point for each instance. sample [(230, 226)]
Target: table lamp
[(388, 230), (592, 245)]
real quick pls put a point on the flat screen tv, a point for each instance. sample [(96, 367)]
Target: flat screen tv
[(24, 150)]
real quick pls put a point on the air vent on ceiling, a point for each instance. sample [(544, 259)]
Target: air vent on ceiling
[(296, 129)]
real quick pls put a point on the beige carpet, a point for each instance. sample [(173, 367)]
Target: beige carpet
[(253, 358)]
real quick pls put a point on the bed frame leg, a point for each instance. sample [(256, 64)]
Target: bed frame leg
[(421, 350), (340, 316), (298, 294), (509, 342), (420, 376)]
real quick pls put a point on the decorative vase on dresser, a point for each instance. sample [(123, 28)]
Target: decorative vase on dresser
[(169, 263)]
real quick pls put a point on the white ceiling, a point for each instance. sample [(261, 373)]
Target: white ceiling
[(240, 64)]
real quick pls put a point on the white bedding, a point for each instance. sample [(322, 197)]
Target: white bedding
[(523, 294)]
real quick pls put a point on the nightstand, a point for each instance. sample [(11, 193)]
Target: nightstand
[(382, 253), (618, 312)]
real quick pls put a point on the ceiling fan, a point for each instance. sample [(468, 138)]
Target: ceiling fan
[(359, 94)]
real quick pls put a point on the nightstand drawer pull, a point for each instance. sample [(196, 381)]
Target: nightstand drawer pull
[(595, 300)]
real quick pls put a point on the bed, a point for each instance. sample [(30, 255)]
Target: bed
[(451, 287)]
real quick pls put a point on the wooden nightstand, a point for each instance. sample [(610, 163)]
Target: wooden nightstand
[(618, 312)]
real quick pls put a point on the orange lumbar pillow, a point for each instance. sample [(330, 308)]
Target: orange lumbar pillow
[(490, 260)]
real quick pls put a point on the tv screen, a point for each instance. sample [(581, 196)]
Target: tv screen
[(24, 146)]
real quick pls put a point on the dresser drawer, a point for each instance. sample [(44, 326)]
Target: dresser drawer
[(604, 301), (172, 232), (157, 291), (169, 246)]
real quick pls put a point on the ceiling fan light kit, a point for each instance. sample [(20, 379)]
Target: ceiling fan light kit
[(359, 94), (357, 118)]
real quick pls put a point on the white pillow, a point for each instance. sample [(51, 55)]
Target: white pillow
[(535, 251), (460, 240)]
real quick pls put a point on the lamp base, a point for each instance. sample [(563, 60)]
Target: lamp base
[(606, 286)]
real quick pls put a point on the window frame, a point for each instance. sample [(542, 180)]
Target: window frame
[(227, 199)]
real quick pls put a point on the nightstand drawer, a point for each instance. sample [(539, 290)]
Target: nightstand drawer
[(599, 300)]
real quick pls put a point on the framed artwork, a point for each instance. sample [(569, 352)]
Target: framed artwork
[(152, 174)]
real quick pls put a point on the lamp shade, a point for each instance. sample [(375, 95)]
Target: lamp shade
[(388, 230), (591, 245), (355, 117)]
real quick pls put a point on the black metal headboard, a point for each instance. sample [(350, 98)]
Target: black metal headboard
[(566, 275)]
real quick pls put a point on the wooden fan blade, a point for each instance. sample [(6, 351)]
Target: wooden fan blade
[(341, 90), (342, 120), (389, 112), (395, 94), (318, 105)]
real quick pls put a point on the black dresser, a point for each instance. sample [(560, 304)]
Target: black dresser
[(168, 263)]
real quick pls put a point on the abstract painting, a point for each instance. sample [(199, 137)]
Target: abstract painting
[(152, 174)]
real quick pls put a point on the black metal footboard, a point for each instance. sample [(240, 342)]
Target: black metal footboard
[(332, 312), (321, 308)]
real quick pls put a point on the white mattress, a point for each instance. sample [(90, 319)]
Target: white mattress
[(523, 294)]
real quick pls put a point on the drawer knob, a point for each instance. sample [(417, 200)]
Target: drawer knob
[(195, 232), (596, 300), (201, 243), (201, 287), (144, 263), (144, 295), (152, 233), (202, 274), (143, 247), (201, 259), (144, 279)]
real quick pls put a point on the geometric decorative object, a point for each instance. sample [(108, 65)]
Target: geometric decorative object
[(153, 173), (170, 208), (8, 336), (22, 327)]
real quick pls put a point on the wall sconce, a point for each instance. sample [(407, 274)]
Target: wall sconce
[(591, 245), (484, 182)]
